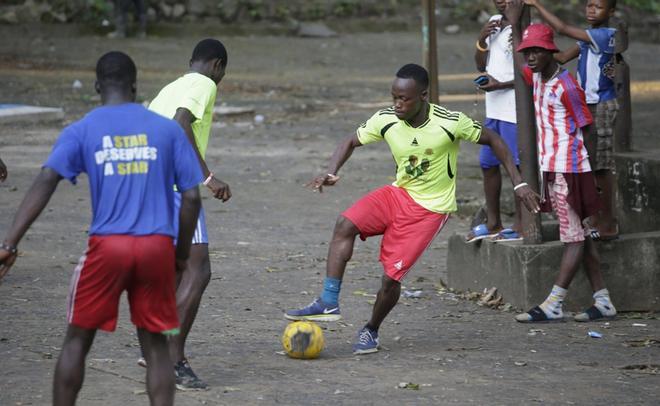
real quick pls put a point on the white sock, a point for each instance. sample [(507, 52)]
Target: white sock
[(603, 303), (552, 304)]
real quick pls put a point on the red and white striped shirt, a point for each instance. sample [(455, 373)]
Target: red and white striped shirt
[(561, 113)]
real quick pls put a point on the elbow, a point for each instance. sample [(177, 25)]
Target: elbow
[(192, 197)]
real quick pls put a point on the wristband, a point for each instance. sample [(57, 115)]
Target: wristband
[(9, 248), (208, 180), (480, 48), (519, 185)]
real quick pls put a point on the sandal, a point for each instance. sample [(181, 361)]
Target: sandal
[(536, 315), (508, 234), (479, 233)]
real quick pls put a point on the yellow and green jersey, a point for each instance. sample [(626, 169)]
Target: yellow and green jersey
[(426, 156), (195, 92)]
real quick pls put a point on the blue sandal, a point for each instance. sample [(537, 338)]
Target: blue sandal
[(479, 233), (508, 234)]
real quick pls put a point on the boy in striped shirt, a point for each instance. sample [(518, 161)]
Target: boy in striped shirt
[(595, 51), (568, 184)]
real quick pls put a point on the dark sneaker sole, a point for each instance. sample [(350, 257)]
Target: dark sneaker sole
[(314, 317)]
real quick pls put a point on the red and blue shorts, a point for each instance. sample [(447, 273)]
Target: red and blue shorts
[(407, 228), (143, 266)]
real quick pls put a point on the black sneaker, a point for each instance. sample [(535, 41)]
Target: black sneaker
[(186, 378)]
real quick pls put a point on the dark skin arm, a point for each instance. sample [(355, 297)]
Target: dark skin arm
[(3, 171), (567, 55), (557, 24), (338, 159), (33, 203), (481, 57), (219, 188), (190, 205), (526, 195)]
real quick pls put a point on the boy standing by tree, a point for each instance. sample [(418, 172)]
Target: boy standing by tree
[(596, 51), (494, 55), (568, 183)]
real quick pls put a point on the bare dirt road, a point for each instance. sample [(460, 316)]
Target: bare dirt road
[(268, 244)]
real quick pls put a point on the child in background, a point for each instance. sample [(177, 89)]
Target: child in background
[(568, 183), (596, 51)]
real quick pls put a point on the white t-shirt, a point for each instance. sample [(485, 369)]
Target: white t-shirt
[(500, 104)]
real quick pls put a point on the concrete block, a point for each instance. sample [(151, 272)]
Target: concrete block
[(638, 200), (16, 113), (524, 274)]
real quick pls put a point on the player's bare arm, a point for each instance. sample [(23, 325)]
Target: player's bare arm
[(525, 193), (567, 55), (219, 188), (338, 159), (557, 24), (3, 171), (33, 203)]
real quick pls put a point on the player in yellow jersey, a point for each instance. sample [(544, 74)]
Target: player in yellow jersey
[(424, 141), (189, 100)]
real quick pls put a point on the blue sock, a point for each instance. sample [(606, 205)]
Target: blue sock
[(331, 288)]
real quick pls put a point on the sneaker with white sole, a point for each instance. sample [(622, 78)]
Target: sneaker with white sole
[(315, 311), (367, 341), (186, 379)]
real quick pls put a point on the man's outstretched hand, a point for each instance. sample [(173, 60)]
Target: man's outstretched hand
[(318, 182), (7, 259)]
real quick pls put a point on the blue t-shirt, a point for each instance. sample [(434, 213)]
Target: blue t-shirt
[(595, 65), (132, 158)]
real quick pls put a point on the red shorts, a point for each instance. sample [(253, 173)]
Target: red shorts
[(407, 227), (143, 266)]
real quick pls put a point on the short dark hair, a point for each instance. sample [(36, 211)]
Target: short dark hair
[(416, 73), (611, 4), (208, 49), (116, 67)]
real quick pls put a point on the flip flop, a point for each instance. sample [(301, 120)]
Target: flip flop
[(536, 315), (591, 314), (479, 233), (507, 234)]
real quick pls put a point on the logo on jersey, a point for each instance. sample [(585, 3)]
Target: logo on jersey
[(414, 142), (399, 265), (415, 168), (126, 155)]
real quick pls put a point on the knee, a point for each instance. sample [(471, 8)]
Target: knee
[(390, 285), (344, 228)]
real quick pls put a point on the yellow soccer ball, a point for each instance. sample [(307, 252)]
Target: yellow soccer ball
[(303, 339)]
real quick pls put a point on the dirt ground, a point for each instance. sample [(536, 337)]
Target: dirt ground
[(268, 244)]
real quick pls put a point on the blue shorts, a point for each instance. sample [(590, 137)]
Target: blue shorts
[(508, 132), (200, 236)]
